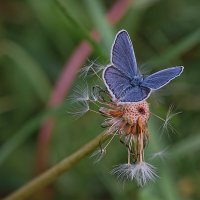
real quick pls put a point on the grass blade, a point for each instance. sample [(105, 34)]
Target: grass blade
[(24, 62)]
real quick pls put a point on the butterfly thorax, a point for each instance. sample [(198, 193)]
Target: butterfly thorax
[(136, 81)]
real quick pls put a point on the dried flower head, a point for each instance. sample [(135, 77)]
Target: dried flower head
[(128, 122)]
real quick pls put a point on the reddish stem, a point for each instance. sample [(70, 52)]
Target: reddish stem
[(67, 76)]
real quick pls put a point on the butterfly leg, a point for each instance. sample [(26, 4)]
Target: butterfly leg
[(99, 93)]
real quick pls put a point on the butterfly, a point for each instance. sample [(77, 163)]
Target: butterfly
[(123, 79)]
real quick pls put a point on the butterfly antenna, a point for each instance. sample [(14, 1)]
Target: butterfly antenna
[(98, 90)]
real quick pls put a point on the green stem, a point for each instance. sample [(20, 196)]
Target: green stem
[(53, 173)]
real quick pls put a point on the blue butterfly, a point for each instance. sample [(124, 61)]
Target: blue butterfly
[(123, 79)]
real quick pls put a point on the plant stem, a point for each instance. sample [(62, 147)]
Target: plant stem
[(54, 172)]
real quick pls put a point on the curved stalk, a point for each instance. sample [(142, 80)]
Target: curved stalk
[(54, 172)]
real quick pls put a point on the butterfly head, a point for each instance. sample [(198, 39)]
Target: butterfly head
[(136, 81)]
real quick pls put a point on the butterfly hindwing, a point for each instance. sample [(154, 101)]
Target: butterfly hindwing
[(161, 78), (122, 54), (135, 94)]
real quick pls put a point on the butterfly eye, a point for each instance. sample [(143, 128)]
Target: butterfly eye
[(141, 110)]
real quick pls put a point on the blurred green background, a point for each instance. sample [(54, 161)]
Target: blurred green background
[(36, 40)]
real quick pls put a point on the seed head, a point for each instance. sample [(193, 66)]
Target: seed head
[(133, 111)]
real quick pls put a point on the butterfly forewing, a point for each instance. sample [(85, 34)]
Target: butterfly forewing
[(115, 81), (122, 54), (161, 78)]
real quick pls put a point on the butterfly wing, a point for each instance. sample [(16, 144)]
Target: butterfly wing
[(115, 81), (161, 78), (122, 54), (135, 94)]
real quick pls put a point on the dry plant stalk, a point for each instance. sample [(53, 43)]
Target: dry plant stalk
[(53, 173)]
